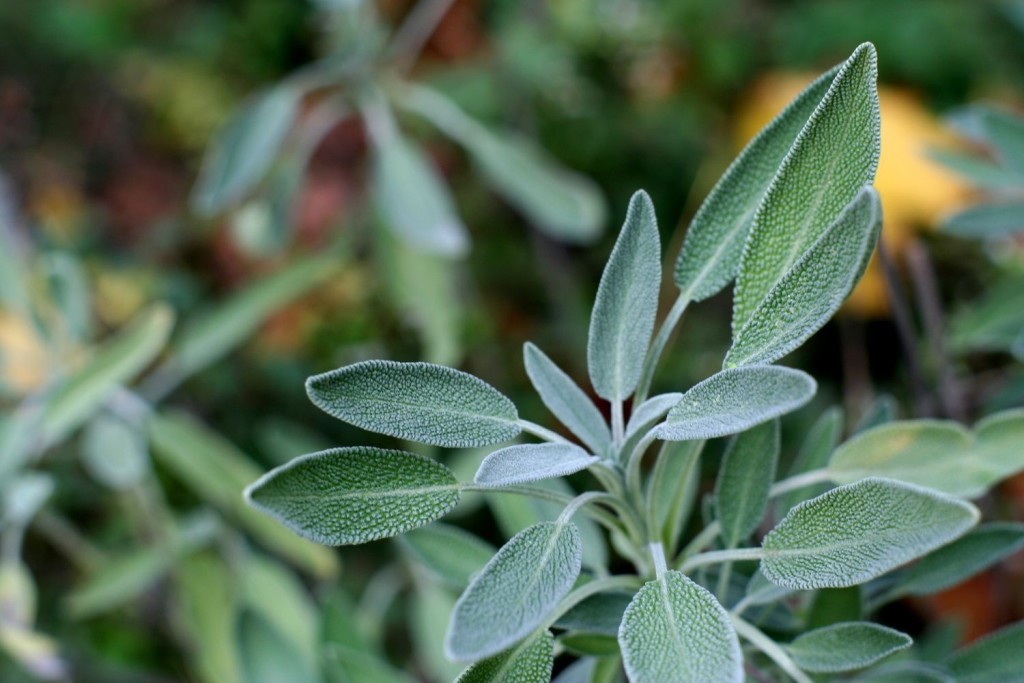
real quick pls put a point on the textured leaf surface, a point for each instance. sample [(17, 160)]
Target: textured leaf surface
[(746, 475), (627, 302), (524, 463), (674, 631), (993, 659), (529, 662), (566, 400), (948, 566), (810, 293), (244, 148), (412, 198), (354, 495), (735, 400), (418, 401), (834, 156), (648, 413), (997, 219), (854, 533), (515, 591), (845, 647), (714, 241), (940, 455), (450, 554)]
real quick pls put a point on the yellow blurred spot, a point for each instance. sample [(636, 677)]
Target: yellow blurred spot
[(915, 190), (24, 361), (119, 295)]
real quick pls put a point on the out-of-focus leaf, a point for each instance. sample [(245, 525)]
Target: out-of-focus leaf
[(217, 472), (673, 488), (68, 289), (746, 475), (563, 204), (993, 659), (347, 665), (432, 607), (601, 613), (114, 453), (355, 495), (24, 496), (417, 401), (277, 596), (978, 171), (993, 322), (207, 608), (845, 647), (450, 555), (244, 148), (269, 657), (821, 440), (998, 219)]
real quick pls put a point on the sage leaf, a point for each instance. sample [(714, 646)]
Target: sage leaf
[(648, 413), (992, 659), (267, 656), (907, 671), (417, 401), (529, 662), (948, 566), (242, 151), (205, 606), (114, 453), (516, 591), (450, 555), (714, 241), (822, 438), (856, 532), (674, 631), (600, 613), (1004, 131), (987, 221), (735, 400), (672, 489), (344, 664), (524, 463), (810, 293), (347, 496), (412, 198), (845, 647), (627, 302), (566, 400), (833, 157), (746, 475)]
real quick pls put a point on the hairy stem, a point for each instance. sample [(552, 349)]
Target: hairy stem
[(699, 542), (719, 556), (799, 481), (541, 432)]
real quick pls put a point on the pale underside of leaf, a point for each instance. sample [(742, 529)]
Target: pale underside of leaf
[(524, 463)]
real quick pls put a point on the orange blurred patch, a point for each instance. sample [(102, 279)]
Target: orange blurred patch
[(24, 361), (915, 190)]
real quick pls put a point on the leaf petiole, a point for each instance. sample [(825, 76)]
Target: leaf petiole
[(769, 647)]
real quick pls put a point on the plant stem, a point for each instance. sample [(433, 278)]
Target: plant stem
[(699, 542), (718, 556), (658, 554), (724, 575), (628, 524), (617, 424), (633, 479), (799, 481), (658, 346), (541, 432), (755, 637), (416, 30)]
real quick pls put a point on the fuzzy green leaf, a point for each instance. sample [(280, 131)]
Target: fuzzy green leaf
[(451, 555), (941, 455), (948, 566), (834, 156), (600, 613), (648, 413), (714, 242), (566, 400), (735, 400), (674, 631), (746, 475), (529, 662), (243, 150), (524, 463), (854, 533), (994, 220), (993, 659), (417, 401), (355, 495), (845, 647), (515, 591), (412, 198), (810, 293), (627, 302)]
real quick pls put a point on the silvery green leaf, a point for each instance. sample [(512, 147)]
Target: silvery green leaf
[(627, 301), (854, 533), (242, 151), (735, 400), (563, 204), (810, 292), (833, 157), (845, 647), (600, 613), (649, 413), (714, 242), (566, 400), (274, 592), (343, 664), (114, 453), (516, 591), (431, 612), (746, 475), (267, 656), (672, 489), (978, 170), (906, 672), (938, 454), (761, 591), (948, 566), (24, 496), (531, 661), (821, 440), (990, 220), (529, 462), (450, 554), (355, 495), (674, 631), (992, 659), (68, 290), (417, 401), (412, 198)]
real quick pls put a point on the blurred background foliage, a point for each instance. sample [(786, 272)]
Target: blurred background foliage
[(150, 313)]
